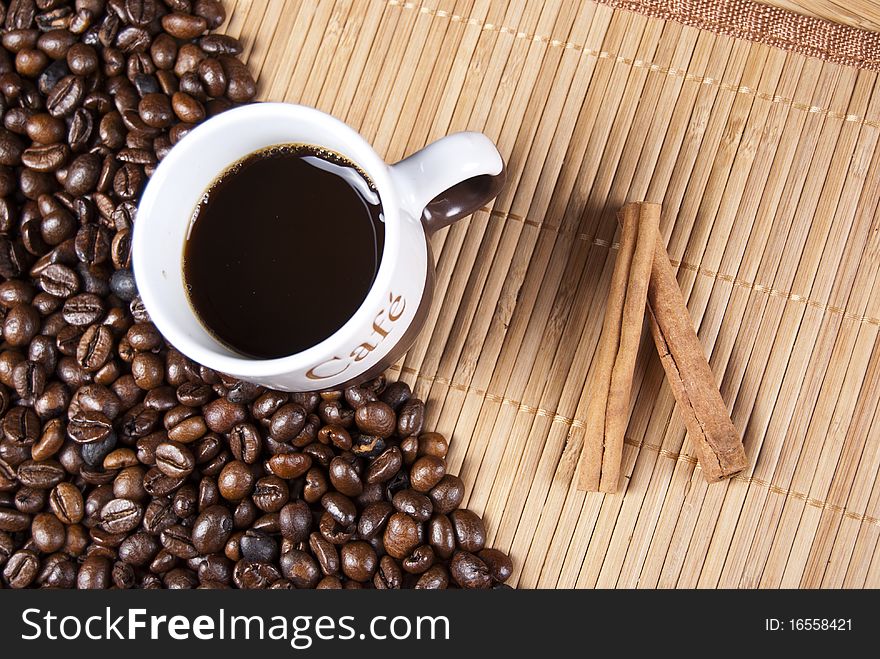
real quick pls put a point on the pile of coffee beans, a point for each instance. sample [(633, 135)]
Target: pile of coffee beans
[(123, 464)]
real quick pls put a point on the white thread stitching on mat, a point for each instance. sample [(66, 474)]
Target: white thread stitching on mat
[(636, 63), (672, 455)]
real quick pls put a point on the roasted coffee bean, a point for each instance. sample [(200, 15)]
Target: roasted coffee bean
[(163, 561), (155, 110), (302, 570), (212, 529), (340, 508), (212, 11), (388, 575), (384, 467), (245, 443), (47, 533), (133, 40), (121, 516), (129, 484), (51, 440), (221, 415), (178, 541), (139, 549), (21, 426), (331, 410), (158, 484), (221, 44), (174, 459), (414, 504), (94, 573), (21, 569), (58, 571), (376, 418), (184, 26), (325, 552), (270, 494), (499, 564), (95, 347), (335, 435), (212, 76), (159, 515), (66, 502), (470, 532), (30, 62), (215, 568), (344, 477), (120, 254), (258, 547), (82, 60), (426, 472), (92, 244), (29, 379), (236, 481), (435, 578), (128, 181), (42, 475), (13, 521), (295, 520), (83, 309), (290, 465), (65, 96), (250, 575), (86, 427), (120, 459), (56, 43), (287, 422), (401, 535), (59, 280), (358, 560), (241, 87), (411, 418), (333, 531), (420, 560), (163, 52), (123, 575), (468, 571), (147, 369), (441, 536), (185, 501), (448, 494), (30, 500), (21, 324), (46, 157), (191, 394), (188, 430), (396, 394), (43, 128), (374, 518)]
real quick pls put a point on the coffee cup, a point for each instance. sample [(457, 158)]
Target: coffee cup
[(447, 180)]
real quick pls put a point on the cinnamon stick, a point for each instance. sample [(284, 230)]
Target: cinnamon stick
[(719, 447), (608, 414)]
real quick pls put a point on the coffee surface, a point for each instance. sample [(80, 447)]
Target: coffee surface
[(283, 249)]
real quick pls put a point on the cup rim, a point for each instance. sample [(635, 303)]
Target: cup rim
[(227, 123)]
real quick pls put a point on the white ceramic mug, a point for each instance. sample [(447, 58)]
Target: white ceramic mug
[(443, 182)]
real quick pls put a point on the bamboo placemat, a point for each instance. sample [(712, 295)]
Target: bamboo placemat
[(768, 167)]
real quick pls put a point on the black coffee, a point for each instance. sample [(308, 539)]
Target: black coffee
[(283, 249)]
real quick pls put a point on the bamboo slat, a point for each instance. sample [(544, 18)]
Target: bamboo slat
[(767, 164)]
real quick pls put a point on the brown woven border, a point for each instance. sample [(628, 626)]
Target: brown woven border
[(744, 19)]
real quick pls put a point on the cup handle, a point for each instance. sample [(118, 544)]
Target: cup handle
[(450, 178)]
